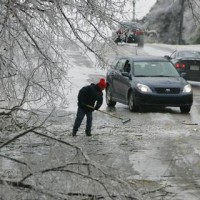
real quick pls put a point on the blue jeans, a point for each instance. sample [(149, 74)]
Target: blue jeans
[(79, 118)]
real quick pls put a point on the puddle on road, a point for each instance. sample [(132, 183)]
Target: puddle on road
[(146, 164), (172, 161)]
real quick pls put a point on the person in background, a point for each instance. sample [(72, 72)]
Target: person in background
[(90, 98)]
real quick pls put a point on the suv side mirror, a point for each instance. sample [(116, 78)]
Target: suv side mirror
[(167, 57), (126, 74)]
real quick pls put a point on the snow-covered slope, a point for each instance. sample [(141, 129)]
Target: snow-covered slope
[(164, 17)]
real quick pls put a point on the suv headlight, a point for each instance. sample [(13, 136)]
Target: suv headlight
[(143, 88), (187, 89)]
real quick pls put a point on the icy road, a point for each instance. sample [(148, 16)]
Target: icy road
[(154, 156)]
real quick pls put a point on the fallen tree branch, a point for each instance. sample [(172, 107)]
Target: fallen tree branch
[(93, 196), (26, 131), (189, 123), (13, 159)]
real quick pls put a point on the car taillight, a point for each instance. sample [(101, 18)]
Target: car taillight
[(180, 65)]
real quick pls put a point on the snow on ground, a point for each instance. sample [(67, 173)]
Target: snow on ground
[(155, 52), (156, 49), (195, 47)]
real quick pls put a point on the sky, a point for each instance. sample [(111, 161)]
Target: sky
[(142, 7)]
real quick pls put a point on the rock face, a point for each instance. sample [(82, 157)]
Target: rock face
[(164, 19)]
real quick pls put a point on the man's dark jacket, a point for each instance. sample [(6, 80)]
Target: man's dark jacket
[(90, 95)]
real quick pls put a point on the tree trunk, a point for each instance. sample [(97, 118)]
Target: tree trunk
[(180, 40)]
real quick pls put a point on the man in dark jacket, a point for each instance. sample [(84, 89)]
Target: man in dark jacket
[(90, 98)]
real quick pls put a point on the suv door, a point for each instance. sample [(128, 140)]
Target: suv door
[(121, 83), (116, 79), (125, 81)]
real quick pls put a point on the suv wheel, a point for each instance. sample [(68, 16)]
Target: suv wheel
[(131, 103), (109, 101), (185, 109)]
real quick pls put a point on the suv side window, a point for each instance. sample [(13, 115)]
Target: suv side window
[(127, 66), (120, 65)]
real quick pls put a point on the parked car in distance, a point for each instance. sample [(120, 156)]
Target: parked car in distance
[(129, 32), (147, 81), (187, 61)]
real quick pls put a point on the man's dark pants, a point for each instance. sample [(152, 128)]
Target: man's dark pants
[(79, 118)]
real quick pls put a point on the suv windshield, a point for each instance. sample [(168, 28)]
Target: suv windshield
[(151, 68)]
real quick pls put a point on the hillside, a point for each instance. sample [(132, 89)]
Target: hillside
[(164, 17)]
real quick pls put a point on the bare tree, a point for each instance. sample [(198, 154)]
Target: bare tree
[(34, 36), (194, 7), (181, 22)]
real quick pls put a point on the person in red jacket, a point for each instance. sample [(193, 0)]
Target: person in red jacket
[(90, 98)]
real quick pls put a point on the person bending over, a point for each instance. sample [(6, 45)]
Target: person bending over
[(90, 98)]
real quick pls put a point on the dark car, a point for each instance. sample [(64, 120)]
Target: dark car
[(187, 61), (129, 32), (147, 81)]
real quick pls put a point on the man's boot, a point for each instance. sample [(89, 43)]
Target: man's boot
[(88, 133), (73, 133)]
